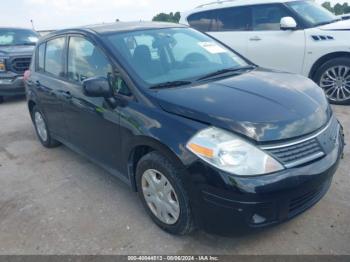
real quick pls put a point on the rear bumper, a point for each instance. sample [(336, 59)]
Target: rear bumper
[(11, 84), (236, 205)]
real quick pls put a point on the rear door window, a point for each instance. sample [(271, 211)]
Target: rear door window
[(54, 56)]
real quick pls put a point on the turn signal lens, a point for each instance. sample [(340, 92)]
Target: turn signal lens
[(2, 65), (200, 150)]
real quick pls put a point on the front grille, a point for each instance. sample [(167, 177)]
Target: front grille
[(293, 155), (307, 149), (19, 65)]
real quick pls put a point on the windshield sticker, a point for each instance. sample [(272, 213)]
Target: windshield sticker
[(212, 47), (33, 39)]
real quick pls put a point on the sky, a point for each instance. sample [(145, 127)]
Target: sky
[(59, 14)]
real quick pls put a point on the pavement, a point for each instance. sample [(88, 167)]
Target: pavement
[(53, 201)]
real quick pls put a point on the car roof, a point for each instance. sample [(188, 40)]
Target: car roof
[(114, 27), (232, 3), (129, 26)]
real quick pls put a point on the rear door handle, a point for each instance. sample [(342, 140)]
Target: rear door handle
[(255, 38)]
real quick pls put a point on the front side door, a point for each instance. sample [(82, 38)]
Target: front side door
[(271, 47), (49, 84), (92, 124)]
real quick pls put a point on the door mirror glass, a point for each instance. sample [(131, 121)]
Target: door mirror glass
[(288, 23), (97, 87)]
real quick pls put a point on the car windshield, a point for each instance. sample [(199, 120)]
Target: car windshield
[(17, 37), (315, 14), (172, 54)]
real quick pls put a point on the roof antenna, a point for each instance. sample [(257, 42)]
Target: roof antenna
[(32, 22)]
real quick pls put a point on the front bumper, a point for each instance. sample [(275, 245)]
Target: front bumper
[(11, 84), (224, 204)]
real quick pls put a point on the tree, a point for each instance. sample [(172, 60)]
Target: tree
[(177, 16), (346, 8), (338, 9), (328, 6), (171, 17)]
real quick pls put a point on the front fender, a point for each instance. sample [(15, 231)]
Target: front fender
[(151, 127)]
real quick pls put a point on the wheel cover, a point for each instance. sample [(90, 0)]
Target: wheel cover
[(40, 126), (336, 83), (160, 196)]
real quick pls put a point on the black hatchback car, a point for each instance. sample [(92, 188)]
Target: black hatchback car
[(204, 136)]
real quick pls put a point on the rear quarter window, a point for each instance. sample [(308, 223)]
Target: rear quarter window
[(41, 58)]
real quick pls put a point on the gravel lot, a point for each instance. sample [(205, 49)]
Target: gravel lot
[(56, 202)]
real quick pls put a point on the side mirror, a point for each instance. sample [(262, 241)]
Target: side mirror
[(97, 87), (288, 23)]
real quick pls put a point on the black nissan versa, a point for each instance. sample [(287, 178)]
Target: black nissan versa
[(204, 136), (16, 48)]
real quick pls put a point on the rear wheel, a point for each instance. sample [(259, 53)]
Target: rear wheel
[(1, 99), (41, 129), (163, 195), (334, 78)]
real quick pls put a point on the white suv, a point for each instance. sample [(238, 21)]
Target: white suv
[(295, 36)]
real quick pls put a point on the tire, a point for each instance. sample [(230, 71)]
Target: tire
[(179, 221), (40, 125), (1, 99), (332, 76)]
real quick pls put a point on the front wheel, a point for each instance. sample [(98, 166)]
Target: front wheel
[(1, 99), (163, 195), (334, 78)]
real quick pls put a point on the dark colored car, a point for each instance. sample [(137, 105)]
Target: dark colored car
[(205, 137), (16, 49)]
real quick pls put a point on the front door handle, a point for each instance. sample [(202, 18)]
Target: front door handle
[(67, 95), (255, 38), (64, 94)]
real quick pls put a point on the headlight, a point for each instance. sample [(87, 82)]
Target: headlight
[(2, 65), (231, 153)]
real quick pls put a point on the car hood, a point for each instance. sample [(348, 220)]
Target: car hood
[(16, 50), (261, 104), (339, 25)]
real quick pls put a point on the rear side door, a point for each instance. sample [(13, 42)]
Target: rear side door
[(271, 47), (48, 82), (229, 25), (93, 125)]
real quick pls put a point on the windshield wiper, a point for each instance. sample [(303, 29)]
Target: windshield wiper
[(25, 43), (225, 71), (171, 84)]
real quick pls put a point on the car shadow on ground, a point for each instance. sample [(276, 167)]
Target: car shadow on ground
[(12, 100)]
